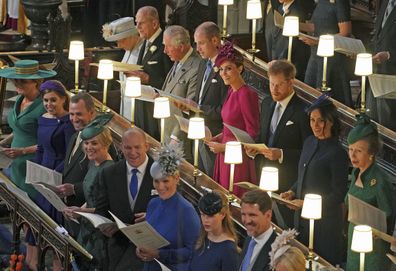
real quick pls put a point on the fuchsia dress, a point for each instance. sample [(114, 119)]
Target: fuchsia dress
[(241, 110)]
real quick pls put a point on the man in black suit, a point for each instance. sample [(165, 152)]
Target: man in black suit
[(256, 212), (284, 125), (155, 62), (125, 189), (211, 91)]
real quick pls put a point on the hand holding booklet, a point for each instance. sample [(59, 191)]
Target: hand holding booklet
[(96, 220), (36, 173)]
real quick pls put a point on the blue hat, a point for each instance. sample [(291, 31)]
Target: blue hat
[(26, 69)]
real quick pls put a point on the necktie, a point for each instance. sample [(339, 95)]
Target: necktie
[(248, 256), (133, 186), (76, 145), (173, 71), (205, 78), (274, 123), (389, 8), (147, 47)]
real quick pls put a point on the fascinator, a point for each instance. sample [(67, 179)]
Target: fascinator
[(227, 52), (210, 203), (96, 126), (363, 128), (167, 161), (321, 101), (53, 85), (281, 245)]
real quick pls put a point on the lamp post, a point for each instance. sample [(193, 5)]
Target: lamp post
[(362, 242), (269, 179), (253, 13), (161, 111), (105, 73), (363, 68), (325, 50), (312, 210), (290, 29), (133, 90), (232, 156), (196, 131), (76, 53), (225, 3)]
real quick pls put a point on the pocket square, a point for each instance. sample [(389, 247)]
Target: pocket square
[(289, 122), (214, 80), (152, 62), (154, 192)]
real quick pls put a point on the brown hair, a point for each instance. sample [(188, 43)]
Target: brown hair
[(88, 101), (258, 197), (282, 67)]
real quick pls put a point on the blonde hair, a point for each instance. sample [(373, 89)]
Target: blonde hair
[(292, 259), (227, 224)]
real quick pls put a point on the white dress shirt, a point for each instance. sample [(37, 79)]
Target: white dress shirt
[(142, 170), (260, 240)]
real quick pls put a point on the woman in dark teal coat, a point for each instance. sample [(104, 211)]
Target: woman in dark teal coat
[(372, 185)]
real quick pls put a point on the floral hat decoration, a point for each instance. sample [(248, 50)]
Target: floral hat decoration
[(167, 161), (227, 52), (119, 29), (281, 245)]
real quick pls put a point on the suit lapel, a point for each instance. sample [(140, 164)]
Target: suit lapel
[(289, 111), (207, 83), (141, 53), (262, 260), (123, 185), (200, 75), (68, 152), (389, 23), (145, 189), (182, 70), (307, 159), (266, 122)]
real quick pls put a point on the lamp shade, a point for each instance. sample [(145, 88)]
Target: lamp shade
[(105, 71), (362, 239), (290, 27), (253, 10), (233, 152), (196, 128), (364, 64), (312, 207), (326, 46), (226, 2), (161, 108), (269, 179), (76, 50), (133, 87)]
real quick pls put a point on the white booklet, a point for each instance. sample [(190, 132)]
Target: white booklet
[(142, 234), (183, 122), (348, 46), (50, 195), (383, 85), (97, 221), (163, 266), (240, 135), (192, 106), (122, 67), (36, 173)]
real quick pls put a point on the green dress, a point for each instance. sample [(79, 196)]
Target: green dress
[(89, 237), (376, 191), (24, 128)]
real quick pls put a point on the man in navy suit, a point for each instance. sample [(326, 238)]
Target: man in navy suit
[(256, 212), (115, 194)]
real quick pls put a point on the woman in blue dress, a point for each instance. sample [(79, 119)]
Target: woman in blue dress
[(216, 248), (171, 215)]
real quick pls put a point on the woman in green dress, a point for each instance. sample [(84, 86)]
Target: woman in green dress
[(369, 184), (96, 141)]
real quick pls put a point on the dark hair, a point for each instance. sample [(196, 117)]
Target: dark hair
[(329, 112), (210, 29), (282, 67), (88, 101), (258, 197)]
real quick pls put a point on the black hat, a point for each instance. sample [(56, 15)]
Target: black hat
[(210, 203), (321, 101)]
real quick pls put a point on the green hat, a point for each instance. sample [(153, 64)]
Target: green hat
[(96, 126), (26, 69), (363, 128)]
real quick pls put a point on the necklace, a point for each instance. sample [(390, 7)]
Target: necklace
[(208, 245)]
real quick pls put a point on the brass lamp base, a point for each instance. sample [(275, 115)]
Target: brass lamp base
[(253, 51)]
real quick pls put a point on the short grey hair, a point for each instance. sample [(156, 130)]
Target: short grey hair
[(179, 35), (149, 11)]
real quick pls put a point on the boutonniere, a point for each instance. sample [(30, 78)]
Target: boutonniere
[(373, 182), (107, 31), (152, 48), (154, 192), (216, 69), (214, 80)]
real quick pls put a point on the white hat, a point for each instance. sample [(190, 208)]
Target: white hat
[(119, 29)]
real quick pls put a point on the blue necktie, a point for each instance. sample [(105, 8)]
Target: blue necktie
[(248, 255), (133, 186), (207, 71)]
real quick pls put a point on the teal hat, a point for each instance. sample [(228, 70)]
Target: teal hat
[(96, 126), (26, 69), (363, 128)]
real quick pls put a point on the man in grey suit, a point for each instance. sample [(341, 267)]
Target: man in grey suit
[(181, 80)]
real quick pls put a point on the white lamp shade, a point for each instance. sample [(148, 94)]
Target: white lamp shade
[(364, 64), (253, 10), (312, 207), (133, 87), (196, 128), (362, 239), (161, 108), (226, 2), (105, 71), (76, 50), (233, 152), (326, 46), (269, 179), (290, 27)]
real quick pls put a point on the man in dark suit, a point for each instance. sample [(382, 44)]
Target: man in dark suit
[(256, 212), (155, 62), (125, 189), (211, 91), (284, 125), (385, 60)]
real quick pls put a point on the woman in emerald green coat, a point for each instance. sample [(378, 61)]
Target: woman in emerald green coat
[(23, 118), (369, 184)]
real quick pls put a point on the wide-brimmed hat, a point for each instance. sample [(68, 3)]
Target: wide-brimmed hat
[(119, 29), (26, 69)]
